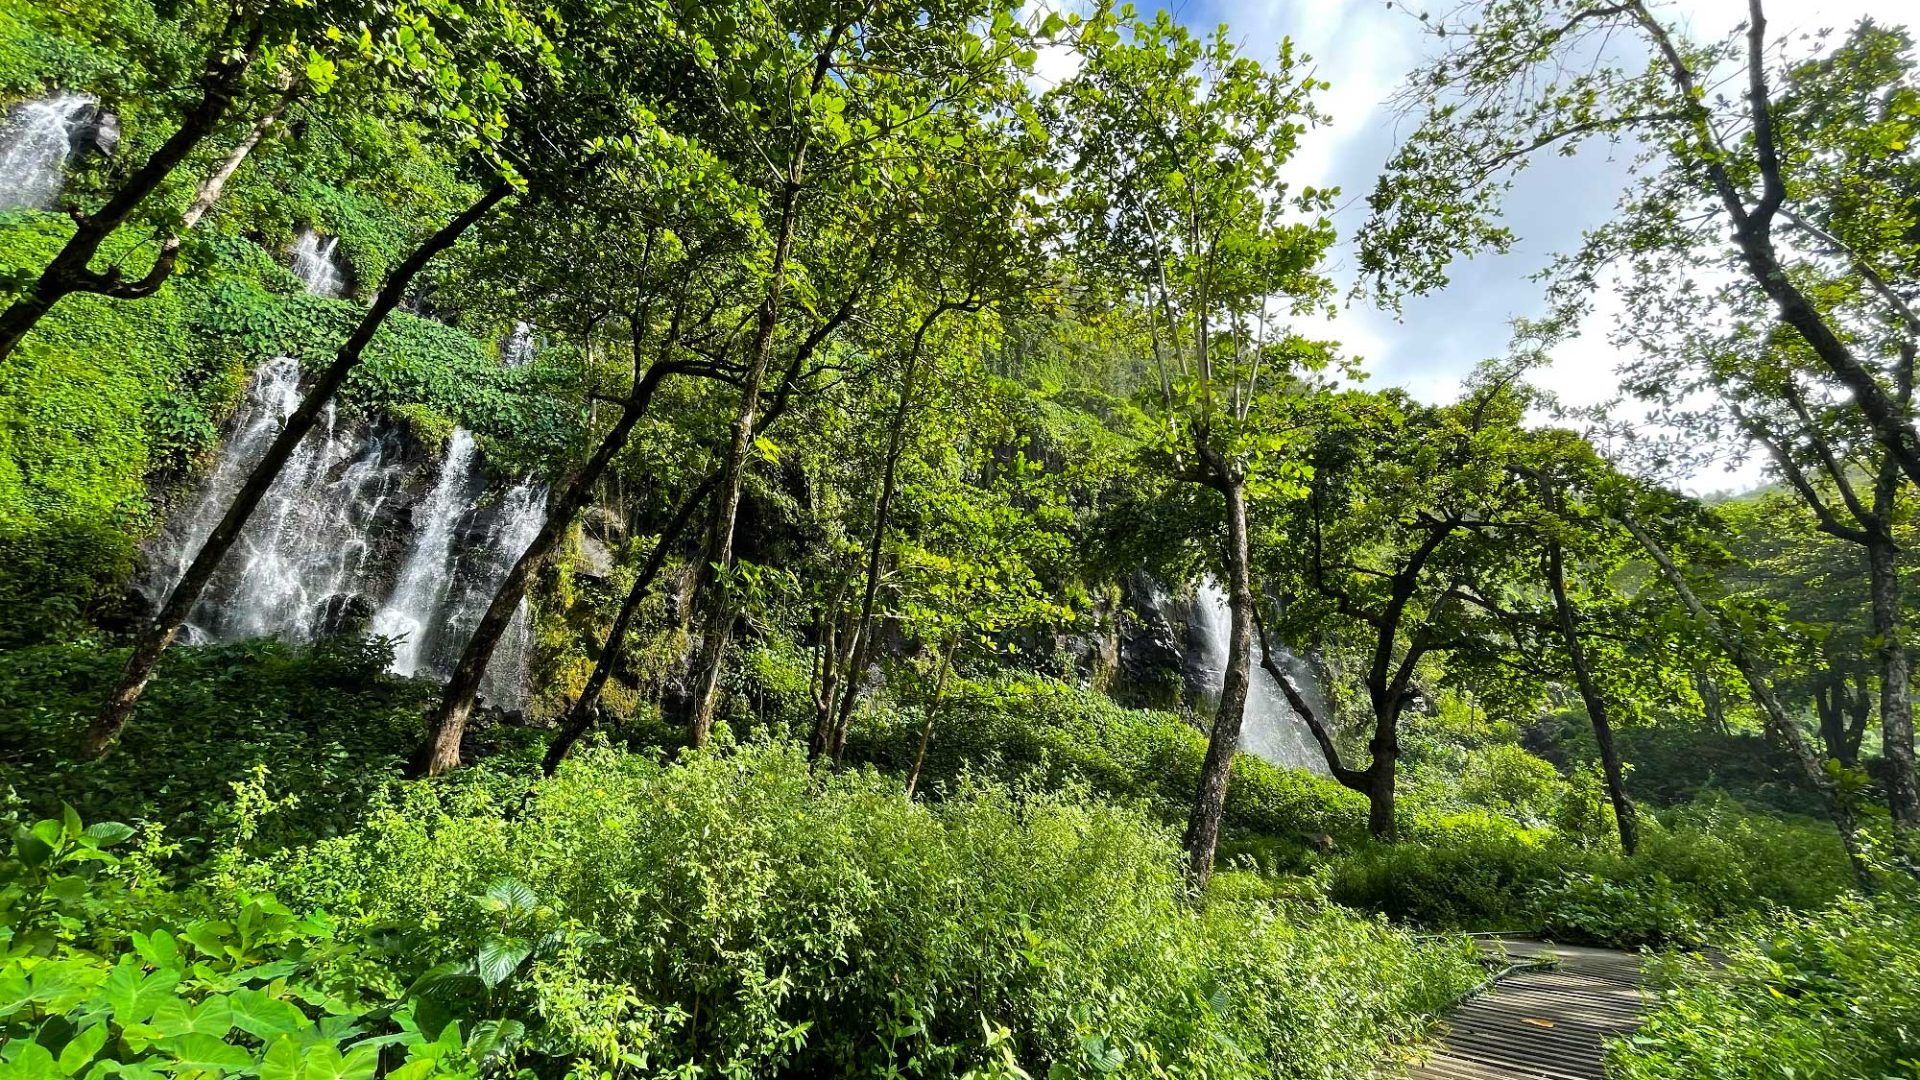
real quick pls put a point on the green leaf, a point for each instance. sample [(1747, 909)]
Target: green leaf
[(81, 1048), (205, 1053), (132, 995), (214, 1016), (31, 1061), (108, 833), (500, 957), (282, 1059), (508, 895), (491, 1038), (264, 1016)]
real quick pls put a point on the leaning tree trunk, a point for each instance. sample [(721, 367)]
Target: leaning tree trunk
[(579, 719), (876, 540), (440, 753), (70, 271), (1845, 819), (159, 634), (933, 712), (1223, 741), (1624, 816)]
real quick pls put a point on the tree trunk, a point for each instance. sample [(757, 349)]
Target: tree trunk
[(719, 620), (70, 271), (1210, 801), (1844, 817), (1896, 690), (153, 641), (1382, 822), (440, 753), (933, 710), (1714, 709), (863, 626), (580, 716), (1624, 816)]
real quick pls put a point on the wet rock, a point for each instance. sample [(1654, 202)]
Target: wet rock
[(343, 614), (593, 558), (98, 134)]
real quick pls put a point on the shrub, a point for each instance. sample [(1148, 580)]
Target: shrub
[(259, 992), (1471, 870), (1052, 734), (741, 911), (1829, 996)]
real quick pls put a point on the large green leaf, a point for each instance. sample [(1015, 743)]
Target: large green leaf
[(500, 957), (204, 1053), (264, 1016), (29, 1061), (82, 1047), (134, 995)]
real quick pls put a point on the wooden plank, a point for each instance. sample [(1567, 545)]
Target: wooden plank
[(1539, 1024)]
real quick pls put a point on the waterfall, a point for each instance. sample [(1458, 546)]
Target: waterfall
[(314, 264), (1271, 729), (518, 349), (305, 549), (461, 550), (35, 146), (345, 538), (412, 611)]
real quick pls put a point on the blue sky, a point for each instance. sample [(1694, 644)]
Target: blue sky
[(1363, 48)]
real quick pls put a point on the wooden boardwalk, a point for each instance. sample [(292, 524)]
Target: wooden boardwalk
[(1543, 1024)]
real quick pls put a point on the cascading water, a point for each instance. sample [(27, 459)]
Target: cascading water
[(1271, 729), (308, 541), (518, 349), (315, 265), (343, 527), (35, 146), (461, 550), (412, 612)]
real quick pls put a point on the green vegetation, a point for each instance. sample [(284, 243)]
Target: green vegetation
[(904, 485), (1827, 994)]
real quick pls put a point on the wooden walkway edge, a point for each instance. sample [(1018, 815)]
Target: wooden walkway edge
[(1540, 1024)]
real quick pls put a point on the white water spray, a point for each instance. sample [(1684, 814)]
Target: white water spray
[(314, 264), (1270, 729), (35, 146)]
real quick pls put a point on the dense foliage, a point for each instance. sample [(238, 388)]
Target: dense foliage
[(889, 440)]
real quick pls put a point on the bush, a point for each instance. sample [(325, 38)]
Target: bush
[(740, 911), (1703, 864), (1828, 996), (1472, 870), (1051, 734), (259, 992)]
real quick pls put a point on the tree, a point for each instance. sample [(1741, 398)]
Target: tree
[(1744, 654), (673, 208), (257, 60), (1177, 146), (1521, 77), (1405, 543), (835, 90)]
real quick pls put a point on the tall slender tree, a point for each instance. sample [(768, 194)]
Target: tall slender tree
[(1178, 146)]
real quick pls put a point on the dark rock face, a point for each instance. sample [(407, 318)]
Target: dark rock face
[(345, 614), (98, 133), (1150, 668)]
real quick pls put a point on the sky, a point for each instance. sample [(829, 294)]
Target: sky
[(1364, 48)]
